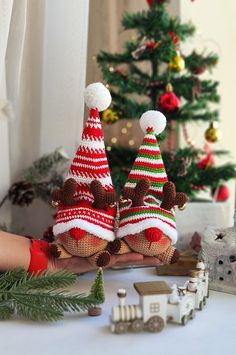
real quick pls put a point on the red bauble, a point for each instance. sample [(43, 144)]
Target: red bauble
[(198, 70), (169, 102), (209, 159), (222, 193), (151, 2), (175, 37)]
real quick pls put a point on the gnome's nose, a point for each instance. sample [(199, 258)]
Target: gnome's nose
[(77, 233), (153, 234)]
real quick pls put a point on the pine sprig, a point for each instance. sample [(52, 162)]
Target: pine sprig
[(24, 281), (45, 166), (41, 297), (6, 311)]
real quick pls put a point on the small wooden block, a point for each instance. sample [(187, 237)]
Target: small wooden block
[(94, 312), (181, 268)]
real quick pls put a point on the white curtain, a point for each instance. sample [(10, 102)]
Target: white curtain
[(44, 65), (5, 19)]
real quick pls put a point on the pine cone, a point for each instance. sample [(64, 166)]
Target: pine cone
[(21, 193)]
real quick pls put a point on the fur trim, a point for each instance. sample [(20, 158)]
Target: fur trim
[(134, 228), (88, 227)]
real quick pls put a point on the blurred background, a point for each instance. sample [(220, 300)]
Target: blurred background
[(48, 54)]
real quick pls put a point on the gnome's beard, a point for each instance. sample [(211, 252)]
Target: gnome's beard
[(85, 247), (140, 244)]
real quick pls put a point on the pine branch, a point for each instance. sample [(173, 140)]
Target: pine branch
[(195, 61), (128, 107), (156, 23), (49, 305), (45, 166), (43, 281), (6, 311), (40, 297)]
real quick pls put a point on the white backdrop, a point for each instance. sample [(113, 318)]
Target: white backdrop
[(45, 64)]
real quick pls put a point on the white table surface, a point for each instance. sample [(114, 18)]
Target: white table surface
[(212, 332)]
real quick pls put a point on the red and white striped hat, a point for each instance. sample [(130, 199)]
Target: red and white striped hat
[(90, 163), (148, 164)]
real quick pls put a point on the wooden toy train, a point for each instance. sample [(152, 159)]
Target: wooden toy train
[(160, 304)]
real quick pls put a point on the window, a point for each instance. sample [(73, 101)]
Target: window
[(154, 307)]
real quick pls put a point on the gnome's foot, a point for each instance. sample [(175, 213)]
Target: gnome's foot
[(114, 247), (170, 256), (57, 251), (100, 259)]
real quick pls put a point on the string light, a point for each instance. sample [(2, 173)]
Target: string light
[(129, 124), (124, 130), (108, 148), (114, 140), (190, 141), (131, 142)]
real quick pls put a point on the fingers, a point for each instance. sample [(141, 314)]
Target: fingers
[(144, 260), (75, 264), (149, 260), (80, 265), (125, 259)]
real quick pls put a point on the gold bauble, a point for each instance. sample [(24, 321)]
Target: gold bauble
[(109, 116), (177, 64), (213, 134)]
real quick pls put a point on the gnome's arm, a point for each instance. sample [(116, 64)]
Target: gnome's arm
[(137, 194)]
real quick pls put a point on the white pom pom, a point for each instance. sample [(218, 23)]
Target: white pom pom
[(154, 120), (96, 95)]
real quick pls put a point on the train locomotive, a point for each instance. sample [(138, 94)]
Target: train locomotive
[(159, 304)]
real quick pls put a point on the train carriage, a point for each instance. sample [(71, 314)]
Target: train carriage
[(181, 306)]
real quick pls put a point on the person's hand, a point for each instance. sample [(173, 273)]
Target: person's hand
[(81, 265)]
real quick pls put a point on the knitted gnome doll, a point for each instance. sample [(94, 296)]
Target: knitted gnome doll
[(147, 220), (86, 204)]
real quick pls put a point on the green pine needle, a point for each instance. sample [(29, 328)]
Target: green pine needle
[(41, 297)]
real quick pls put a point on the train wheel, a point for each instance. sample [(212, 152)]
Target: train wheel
[(137, 325), (192, 314), (184, 320), (121, 328), (155, 324), (201, 305)]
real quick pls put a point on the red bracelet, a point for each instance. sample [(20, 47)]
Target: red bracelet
[(39, 251)]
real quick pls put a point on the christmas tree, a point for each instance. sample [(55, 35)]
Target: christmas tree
[(97, 291), (153, 74)]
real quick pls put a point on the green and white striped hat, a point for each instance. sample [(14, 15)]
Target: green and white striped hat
[(148, 164)]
